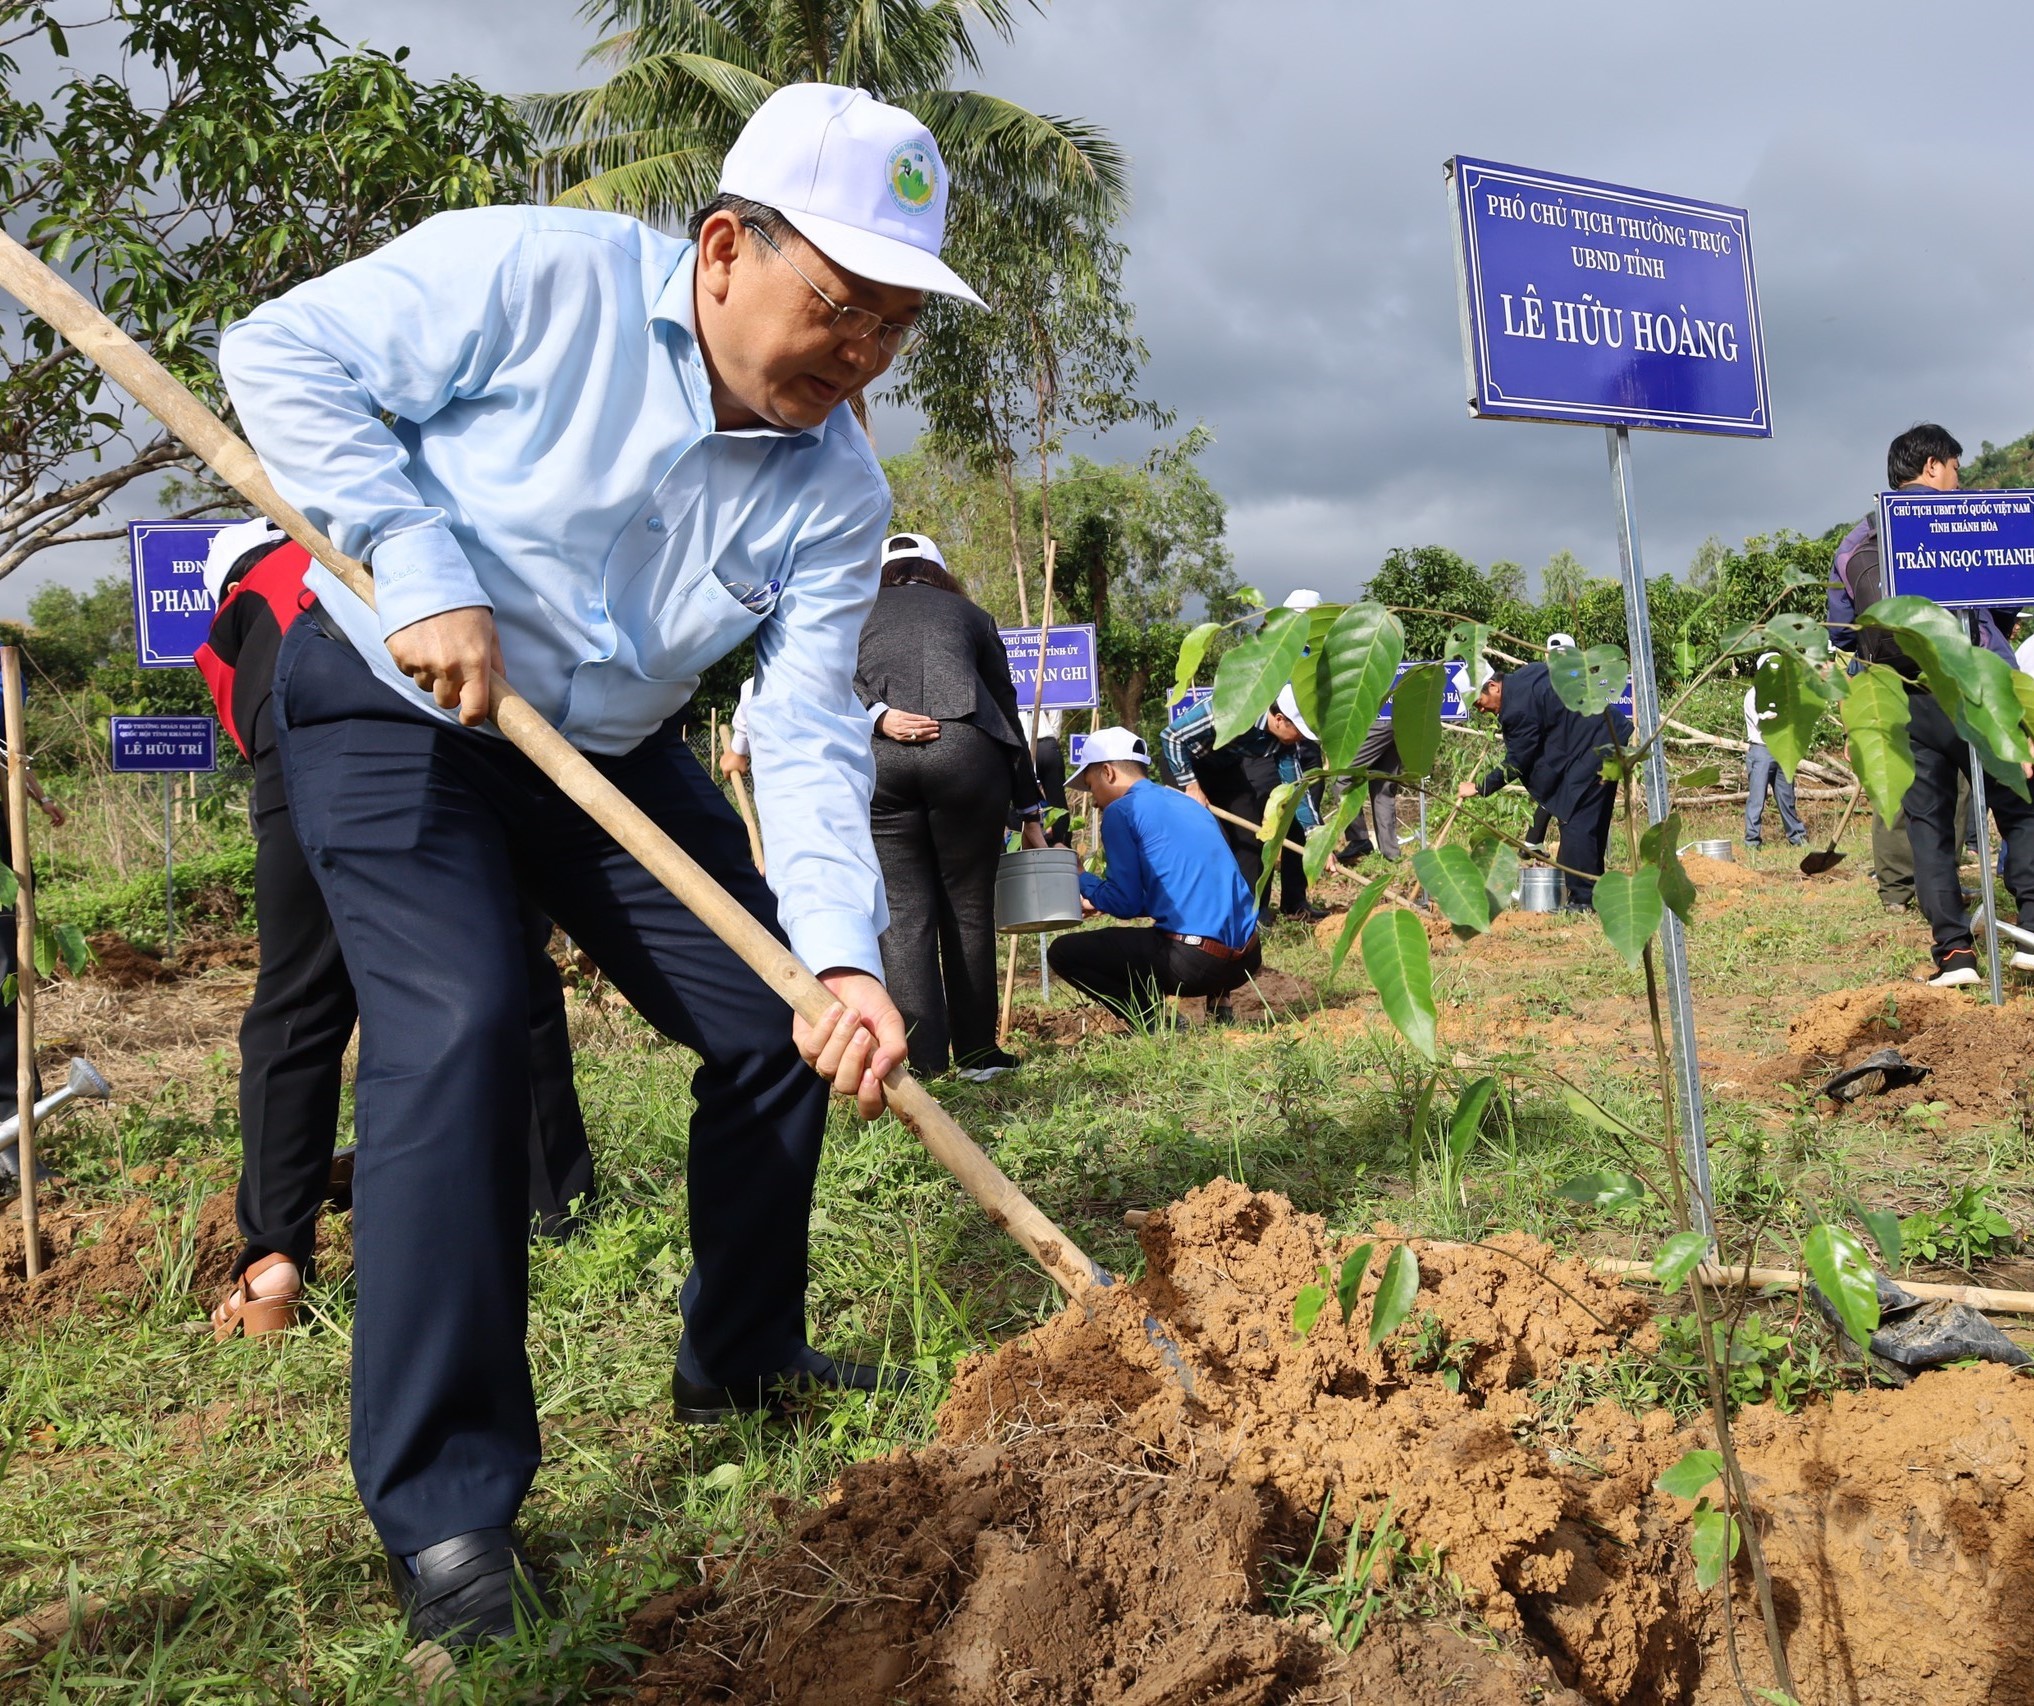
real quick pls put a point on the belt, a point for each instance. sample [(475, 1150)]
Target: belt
[(1212, 945)]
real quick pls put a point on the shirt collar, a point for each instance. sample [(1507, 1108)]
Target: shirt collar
[(674, 304)]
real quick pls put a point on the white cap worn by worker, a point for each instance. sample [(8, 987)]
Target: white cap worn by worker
[(862, 182), (1560, 642), (230, 544), (1288, 707), (1301, 598), (1110, 746), (902, 545)]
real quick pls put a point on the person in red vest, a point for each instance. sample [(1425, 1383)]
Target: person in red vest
[(302, 1015)]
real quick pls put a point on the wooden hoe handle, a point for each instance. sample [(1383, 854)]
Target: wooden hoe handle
[(150, 384)]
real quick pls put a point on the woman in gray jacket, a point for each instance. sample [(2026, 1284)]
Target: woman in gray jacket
[(950, 765)]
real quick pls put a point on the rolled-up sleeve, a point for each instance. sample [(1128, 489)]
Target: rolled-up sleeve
[(814, 771), (400, 332)]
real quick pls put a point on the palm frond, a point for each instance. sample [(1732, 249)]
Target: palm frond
[(657, 187), (999, 148)]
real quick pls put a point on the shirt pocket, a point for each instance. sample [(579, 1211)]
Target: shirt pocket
[(693, 627)]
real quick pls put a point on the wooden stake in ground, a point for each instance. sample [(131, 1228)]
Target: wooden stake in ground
[(1037, 703), (159, 391), (24, 951)]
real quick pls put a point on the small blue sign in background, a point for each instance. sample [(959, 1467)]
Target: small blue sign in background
[(1187, 701), (1605, 306), (1456, 692), (172, 609), (1071, 680), (149, 744), (1961, 549)]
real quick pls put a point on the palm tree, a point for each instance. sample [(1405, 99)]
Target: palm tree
[(686, 74)]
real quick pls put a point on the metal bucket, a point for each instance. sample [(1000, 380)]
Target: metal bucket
[(1038, 888), (1539, 889), (1725, 850)]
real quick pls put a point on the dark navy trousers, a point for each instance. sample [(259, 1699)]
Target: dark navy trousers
[(428, 840)]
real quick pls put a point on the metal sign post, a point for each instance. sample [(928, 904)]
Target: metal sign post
[(1645, 692), (1597, 304), (170, 747), (1966, 551)]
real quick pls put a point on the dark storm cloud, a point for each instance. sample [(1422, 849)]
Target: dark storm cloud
[(1292, 266)]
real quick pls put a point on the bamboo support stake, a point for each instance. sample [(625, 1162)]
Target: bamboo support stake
[(24, 953), (150, 384), (1977, 1296), (1009, 1007)]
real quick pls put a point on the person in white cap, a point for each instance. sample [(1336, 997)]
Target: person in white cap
[(1238, 778), (599, 458), (1166, 862)]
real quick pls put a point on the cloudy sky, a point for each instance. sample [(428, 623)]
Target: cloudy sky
[(1292, 261)]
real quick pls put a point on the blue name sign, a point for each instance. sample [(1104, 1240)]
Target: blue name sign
[(172, 609), (1187, 701), (1456, 693), (151, 744), (1072, 682), (1959, 548), (1600, 305)]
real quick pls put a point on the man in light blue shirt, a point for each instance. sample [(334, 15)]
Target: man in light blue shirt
[(597, 458)]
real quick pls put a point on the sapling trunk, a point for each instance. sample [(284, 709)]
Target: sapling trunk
[(1736, 1496)]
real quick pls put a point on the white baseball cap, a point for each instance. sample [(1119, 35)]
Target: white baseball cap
[(1560, 642), (1288, 706), (230, 544), (863, 182), (1301, 598), (1110, 746), (901, 545)]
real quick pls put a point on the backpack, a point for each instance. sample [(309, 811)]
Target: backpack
[(264, 593)]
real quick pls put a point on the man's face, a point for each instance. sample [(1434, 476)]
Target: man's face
[(1490, 697), (773, 348), (1942, 475), (1283, 727)]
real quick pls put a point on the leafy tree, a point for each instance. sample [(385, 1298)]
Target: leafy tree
[(1420, 579), (1703, 566), (185, 189), (686, 74), (1507, 582), (1563, 581), (1999, 466)]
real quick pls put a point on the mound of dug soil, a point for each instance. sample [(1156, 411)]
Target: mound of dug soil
[(1980, 1057), (1707, 873), (1083, 1531)]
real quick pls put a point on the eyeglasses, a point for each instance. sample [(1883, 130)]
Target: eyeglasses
[(855, 324)]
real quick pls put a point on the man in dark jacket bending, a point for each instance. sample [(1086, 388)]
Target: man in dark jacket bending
[(1558, 754)]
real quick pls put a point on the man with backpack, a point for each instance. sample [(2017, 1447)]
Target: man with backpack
[(1926, 457)]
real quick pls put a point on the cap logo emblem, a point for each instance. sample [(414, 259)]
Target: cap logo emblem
[(914, 177)]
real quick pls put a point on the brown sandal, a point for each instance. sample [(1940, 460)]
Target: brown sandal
[(241, 1311)]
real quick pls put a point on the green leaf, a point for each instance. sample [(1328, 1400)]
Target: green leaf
[(71, 944), (10, 990), (10, 887), (1884, 1226), (1808, 635), (1688, 1478), (1588, 681), (1416, 717), (1714, 1537), (1192, 650), (1836, 1260), (1705, 776), (1660, 845), (1499, 865), (1359, 911), (1354, 1266), (1875, 715), (1252, 672), (1974, 687), (1604, 1190), (1579, 1102), (45, 949), (1395, 955), (1468, 641), (1679, 1257), (1358, 659), (1450, 875), (1278, 815), (1396, 1292), (1306, 1309), (1468, 1120), (1790, 689), (1630, 906), (1324, 838)]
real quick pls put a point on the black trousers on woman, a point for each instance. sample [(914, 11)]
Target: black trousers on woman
[(293, 1041), (937, 819)]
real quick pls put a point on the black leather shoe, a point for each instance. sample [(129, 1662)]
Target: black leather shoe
[(466, 1590), (778, 1394)]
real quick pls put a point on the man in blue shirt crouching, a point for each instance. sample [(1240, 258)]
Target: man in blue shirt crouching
[(1167, 861)]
